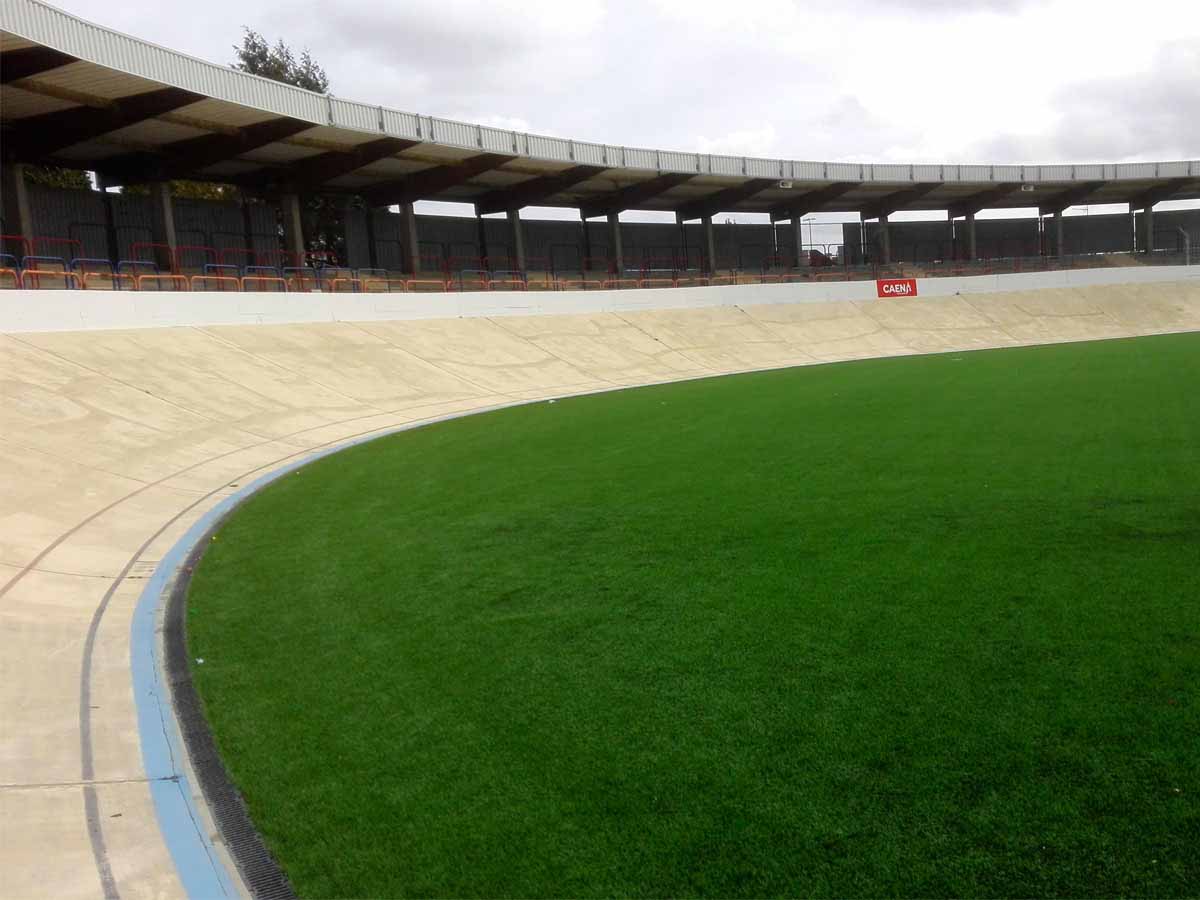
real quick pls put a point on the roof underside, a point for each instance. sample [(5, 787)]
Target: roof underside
[(58, 107)]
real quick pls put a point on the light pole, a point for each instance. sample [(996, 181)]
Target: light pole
[(808, 220)]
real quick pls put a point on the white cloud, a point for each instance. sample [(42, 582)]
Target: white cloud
[(751, 142), (511, 123), (865, 80)]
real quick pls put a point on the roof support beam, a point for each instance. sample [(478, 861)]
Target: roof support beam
[(182, 159), (631, 196), (428, 183), (316, 170), (1070, 197), (30, 61), (43, 135), (895, 202), (534, 191), (1159, 193), (812, 201), (725, 199), (982, 200)]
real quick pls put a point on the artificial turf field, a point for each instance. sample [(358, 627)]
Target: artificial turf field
[(916, 626)]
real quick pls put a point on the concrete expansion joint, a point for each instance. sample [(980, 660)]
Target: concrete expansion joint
[(92, 783), (44, 571)]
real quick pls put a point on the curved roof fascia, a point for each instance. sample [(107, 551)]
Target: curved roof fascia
[(46, 25)]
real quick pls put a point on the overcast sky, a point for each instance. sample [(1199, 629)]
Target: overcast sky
[(987, 81)]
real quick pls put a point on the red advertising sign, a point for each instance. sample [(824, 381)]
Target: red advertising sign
[(896, 287)]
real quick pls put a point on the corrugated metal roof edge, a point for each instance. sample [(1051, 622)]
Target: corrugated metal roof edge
[(42, 23)]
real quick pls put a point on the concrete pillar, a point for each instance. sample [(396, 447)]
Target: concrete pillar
[(587, 246), (247, 224), (803, 258), (481, 241), (410, 249), (710, 243), (1058, 234), (111, 243), (162, 224), (17, 218), (972, 245), (372, 250), (518, 237), (1148, 229), (614, 243), (293, 229), (885, 242), (950, 234)]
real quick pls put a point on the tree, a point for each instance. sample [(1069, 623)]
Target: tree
[(189, 190), (58, 177), (278, 63), (257, 57), (325, 217)]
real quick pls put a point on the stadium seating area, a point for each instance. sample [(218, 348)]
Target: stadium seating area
[(53, 262)]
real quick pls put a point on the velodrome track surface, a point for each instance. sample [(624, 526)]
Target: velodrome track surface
[(113, 443)]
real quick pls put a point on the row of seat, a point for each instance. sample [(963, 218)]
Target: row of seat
[(36, 279)]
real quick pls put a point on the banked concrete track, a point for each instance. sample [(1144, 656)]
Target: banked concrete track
[(113, 443)]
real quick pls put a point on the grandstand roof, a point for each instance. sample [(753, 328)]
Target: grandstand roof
[(77, 94)]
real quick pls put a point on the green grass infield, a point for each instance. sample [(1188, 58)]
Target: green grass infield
[(926, 626)]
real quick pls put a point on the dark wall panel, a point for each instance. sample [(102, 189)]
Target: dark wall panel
[(61, 216)]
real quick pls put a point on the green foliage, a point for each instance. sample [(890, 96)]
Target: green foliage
[(326, 228), (58, 177), (258, 57), (908, 627), (190, 190), (204, 190), (324, 217)]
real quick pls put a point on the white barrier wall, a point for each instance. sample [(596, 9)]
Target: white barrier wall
[(61, 310)]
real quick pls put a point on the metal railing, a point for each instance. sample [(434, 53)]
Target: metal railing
[(90, 274)]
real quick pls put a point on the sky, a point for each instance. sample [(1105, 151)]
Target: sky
[(950, 81)]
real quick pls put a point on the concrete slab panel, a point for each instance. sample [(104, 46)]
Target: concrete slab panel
[(828, 331), (935, 325), (481, 353), (1052, 314), (604, 346), (351, 361), (34, 820)]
